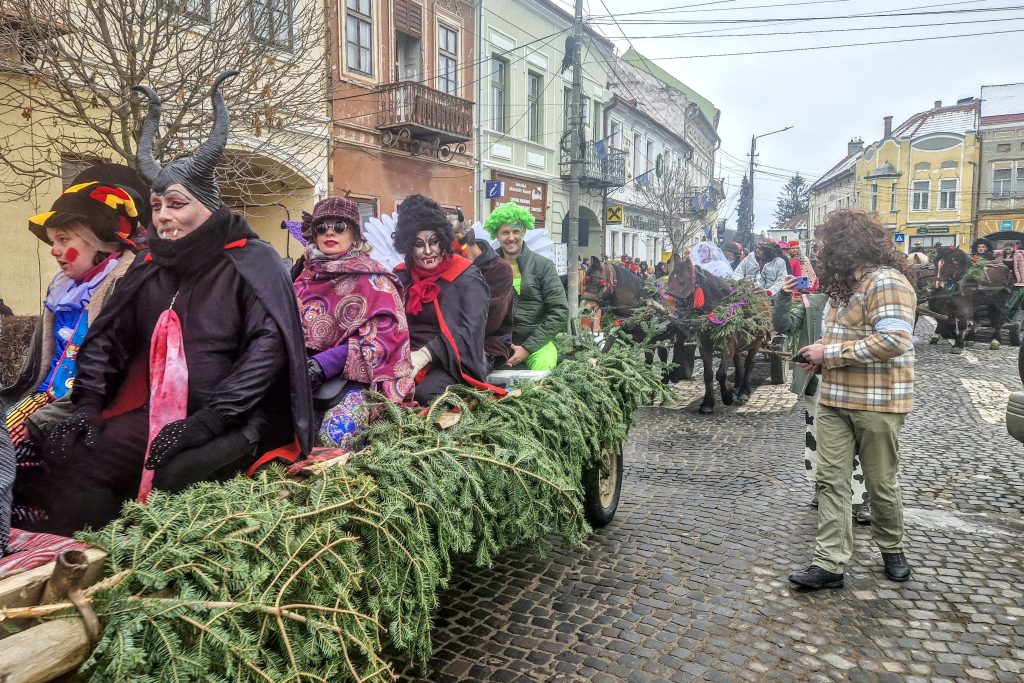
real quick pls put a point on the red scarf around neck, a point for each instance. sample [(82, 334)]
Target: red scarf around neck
[(424, 288)]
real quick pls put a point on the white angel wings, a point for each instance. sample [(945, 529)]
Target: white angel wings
[(377, 231)]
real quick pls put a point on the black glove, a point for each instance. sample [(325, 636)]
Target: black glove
[(317, 376), (78, 428), (176, 437)]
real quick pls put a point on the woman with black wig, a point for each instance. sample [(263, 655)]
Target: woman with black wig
[(446, 302)]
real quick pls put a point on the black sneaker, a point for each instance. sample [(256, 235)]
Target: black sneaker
[(815, 577), (896, 566)]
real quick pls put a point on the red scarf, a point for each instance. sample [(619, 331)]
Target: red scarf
[(424, 288)]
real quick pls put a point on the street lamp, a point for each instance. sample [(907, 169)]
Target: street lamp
[(750, 176)]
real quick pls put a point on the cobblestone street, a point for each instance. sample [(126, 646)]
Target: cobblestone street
[(689, 580)]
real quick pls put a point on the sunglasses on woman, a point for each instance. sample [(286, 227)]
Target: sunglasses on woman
[(338, 228)]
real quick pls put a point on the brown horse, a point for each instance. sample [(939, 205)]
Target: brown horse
[(963, 293), (616, 290), (684, 282)]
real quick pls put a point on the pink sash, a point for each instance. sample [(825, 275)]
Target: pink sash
[(168, 382)]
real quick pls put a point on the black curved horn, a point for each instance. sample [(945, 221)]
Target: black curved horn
[(204, 161), (148, 166)]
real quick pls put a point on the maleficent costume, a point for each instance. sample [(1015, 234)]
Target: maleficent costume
[(226, 347)]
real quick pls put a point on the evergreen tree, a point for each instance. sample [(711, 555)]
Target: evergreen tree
[(744, 230), (792, 200)]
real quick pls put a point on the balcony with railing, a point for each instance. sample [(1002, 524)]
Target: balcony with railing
[(601, 166), (421, 119)]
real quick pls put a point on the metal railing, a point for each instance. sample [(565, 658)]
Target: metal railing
[(425, 111), (607, 170)]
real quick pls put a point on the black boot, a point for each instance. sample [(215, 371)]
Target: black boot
[(815, 577), (896, 566)]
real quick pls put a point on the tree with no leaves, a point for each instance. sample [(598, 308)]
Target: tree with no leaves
[(67, 69), (671, 199)]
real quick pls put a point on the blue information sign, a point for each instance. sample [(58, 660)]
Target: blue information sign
[(494, 189), (900, 237), (1006, 225)]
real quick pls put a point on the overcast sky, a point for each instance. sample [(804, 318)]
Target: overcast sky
[(830, 95)]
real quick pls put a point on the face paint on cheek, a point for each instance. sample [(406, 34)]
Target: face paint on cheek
[(71, 255)]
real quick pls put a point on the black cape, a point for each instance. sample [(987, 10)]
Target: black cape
[(260, 267)]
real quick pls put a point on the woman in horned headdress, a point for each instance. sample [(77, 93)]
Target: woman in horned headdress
[(208, 323), (91, 230)]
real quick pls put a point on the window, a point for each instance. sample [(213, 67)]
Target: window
[(566, 108), (920, 192), (1001, 182), (272, 22), (534, 106), (499, 94), (649, 161), (1020, 181), (358, 37), (615, 135), (874, 197), (598, 125), (923, 166), (947, 194), (892, 199), (585, 111), (408, 57), (1003, 147), (447, 60), (367, 208)]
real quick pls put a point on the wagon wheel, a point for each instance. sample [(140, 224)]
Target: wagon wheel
[(779, 369), (601, 489)]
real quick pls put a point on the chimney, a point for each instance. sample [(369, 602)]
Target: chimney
[(853, 146), (888, 126), (938, 104)]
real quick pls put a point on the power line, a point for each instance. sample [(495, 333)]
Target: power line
[(776, 20)]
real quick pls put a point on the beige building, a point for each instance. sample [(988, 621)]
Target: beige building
[(835, 189), (281, 153)]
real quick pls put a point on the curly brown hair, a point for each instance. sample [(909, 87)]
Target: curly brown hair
[(853, 243)]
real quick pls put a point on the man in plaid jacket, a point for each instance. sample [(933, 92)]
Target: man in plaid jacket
[(866, 360)]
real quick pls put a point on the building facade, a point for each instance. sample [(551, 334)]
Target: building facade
[(523, 117), (1001, 196), (668, 134), (402, 103), (275, 163), (835, 189)]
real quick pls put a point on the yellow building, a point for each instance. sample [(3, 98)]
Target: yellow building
[(1001, 199), (920, 178)]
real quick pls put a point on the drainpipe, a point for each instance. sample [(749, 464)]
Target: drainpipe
[(607, 248), (479, 151)]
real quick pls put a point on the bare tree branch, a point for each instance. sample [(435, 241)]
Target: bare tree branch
[(70, 66), (671, 199)]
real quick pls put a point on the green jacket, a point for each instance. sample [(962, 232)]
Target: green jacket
[(790, 317), (541, 308)]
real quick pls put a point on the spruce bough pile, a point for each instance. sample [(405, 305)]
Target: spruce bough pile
[(277, 579)]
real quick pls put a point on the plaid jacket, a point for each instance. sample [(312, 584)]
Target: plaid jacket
[(869, 351)]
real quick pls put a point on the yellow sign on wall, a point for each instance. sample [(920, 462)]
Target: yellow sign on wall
[(613, 214)]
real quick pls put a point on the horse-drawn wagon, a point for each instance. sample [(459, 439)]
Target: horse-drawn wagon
[(333, 574)]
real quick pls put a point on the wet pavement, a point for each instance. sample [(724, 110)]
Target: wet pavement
[(689, 581)]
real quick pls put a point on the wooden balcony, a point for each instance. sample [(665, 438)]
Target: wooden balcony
[(416, 117), (595, 171)]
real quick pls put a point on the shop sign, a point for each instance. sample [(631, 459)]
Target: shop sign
[(938, 230), (532, 195), (1006, 225), (613, 214), (640, 222)]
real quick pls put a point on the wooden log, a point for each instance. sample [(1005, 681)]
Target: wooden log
[(43, 652), (26, 588)]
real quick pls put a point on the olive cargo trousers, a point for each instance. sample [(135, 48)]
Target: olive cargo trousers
[(875, 436)]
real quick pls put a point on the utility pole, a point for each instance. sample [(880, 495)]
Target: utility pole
[(750, 177), (575, 161)]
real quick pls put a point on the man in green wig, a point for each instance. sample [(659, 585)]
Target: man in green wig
[(541, 308)]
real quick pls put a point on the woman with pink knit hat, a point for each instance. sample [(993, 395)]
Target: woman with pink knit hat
[(357, 336)]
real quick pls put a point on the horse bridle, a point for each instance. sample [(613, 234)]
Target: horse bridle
[(606, 285)]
